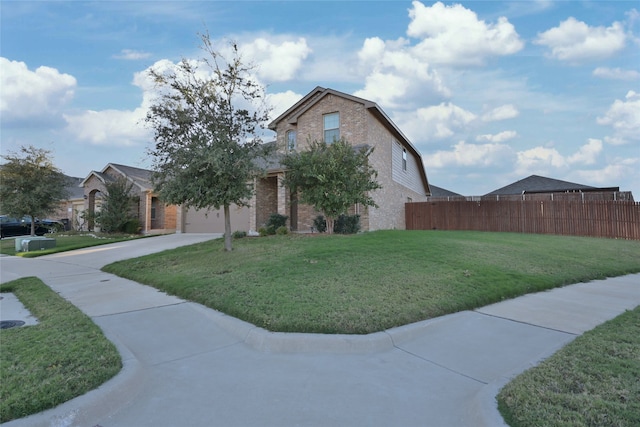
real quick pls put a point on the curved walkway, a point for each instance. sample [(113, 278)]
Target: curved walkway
[(187, 365)]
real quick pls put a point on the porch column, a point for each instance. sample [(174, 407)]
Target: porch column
[(147, 212), (252, 208), (282, 196)]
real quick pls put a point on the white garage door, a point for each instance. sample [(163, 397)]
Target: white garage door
[(202, 221)]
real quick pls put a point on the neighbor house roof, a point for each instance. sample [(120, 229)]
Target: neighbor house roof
[(541, 184), (74, 190), (313, 97), (139, 177), (441, 192)]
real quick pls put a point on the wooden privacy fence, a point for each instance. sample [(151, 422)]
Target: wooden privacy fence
[(595, 218)]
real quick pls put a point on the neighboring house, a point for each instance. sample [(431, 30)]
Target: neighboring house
[(154, 216), (441, 194), (539, 187), (69, 210), (326, 114)]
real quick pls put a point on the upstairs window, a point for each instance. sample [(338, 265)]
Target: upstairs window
[(404, 159), (331, 127), (291, 140)]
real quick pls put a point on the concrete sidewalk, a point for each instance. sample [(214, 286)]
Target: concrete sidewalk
[(187, 365)]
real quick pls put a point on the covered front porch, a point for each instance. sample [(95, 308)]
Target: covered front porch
[(272, 197)]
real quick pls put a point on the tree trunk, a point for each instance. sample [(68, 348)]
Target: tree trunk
[(33, 226), (227, 229), (330, 221)]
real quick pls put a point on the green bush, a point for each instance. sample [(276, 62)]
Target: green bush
[(347, 224), (282, 230), (132, 226), (276, 221), (262, 231), (239, 234), (320, 224), (119, 208)]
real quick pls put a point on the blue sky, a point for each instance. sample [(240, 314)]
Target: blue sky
[(490, 92)]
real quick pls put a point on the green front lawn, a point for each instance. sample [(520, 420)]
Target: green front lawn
[(374, 281), (593, 381), (67, 242), (64, 356)]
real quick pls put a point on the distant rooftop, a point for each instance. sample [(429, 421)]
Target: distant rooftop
[(541, 184), (441, 192)]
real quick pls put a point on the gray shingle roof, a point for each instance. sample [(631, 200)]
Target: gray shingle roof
[(540, 184), (73, 188), (142, 177), (441, 192)]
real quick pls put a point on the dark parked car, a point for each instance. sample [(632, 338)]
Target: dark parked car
[(22, 226)]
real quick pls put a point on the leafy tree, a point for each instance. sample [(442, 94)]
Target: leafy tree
[(205, 136), (119, 207), (30, 184), (331, 177)]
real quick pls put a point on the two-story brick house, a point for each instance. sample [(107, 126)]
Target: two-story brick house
[(326, 114)]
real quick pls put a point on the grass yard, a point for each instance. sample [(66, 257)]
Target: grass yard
[(369, 282), (593, 381), (64, 356), (67, 242)]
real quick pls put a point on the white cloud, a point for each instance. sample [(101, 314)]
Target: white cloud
[(575, 41), (547, 160), (463, 154), (384, 88), (35, 95), (396, 75), (587, 154), (132, 55), (618, 170), (279, 61), (127, 127), (439, 121), (499, 137), (539, 159), (616, 73), (280, 102), (109, 127), (372, 51), (454, 35), (624, 118), (399, 74), (120, 127), (503, 112)]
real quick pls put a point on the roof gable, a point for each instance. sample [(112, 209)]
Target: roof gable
[(141, 178), (312, 98)]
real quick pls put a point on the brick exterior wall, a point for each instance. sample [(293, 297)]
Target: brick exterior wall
[(392, 196), (267, 202)]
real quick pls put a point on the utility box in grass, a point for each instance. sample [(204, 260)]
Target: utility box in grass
[(18, 241), (37, 244)]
